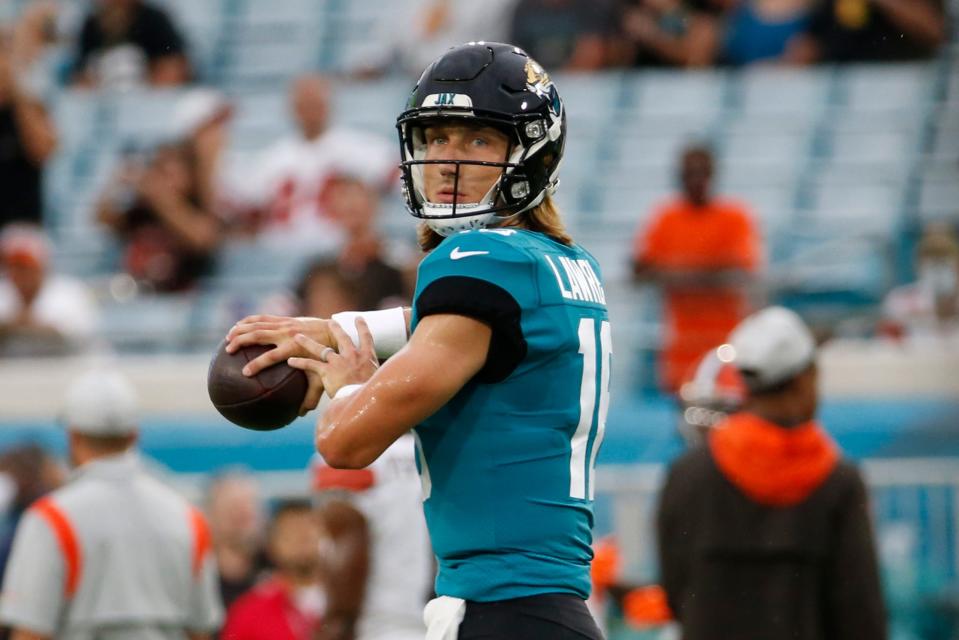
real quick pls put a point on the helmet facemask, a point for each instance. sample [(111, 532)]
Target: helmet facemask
[(507, 197)]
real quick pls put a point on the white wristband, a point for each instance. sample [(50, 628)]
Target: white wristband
[(346, 390), (388, 327)]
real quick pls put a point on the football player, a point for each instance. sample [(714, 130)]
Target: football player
[(504, 379)]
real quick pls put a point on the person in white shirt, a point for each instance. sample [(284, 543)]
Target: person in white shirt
[(114, 554), (286, 192), (926, 312), (391, 532), (40, 313)]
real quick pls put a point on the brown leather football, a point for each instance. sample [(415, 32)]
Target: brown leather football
[(269, 400)]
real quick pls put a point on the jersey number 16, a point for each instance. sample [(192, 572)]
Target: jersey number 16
[(593, 406)]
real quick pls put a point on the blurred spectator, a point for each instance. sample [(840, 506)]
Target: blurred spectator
[(643, 606), (287, 191), (27, 140), (324, 290), (234, 508), (708, 396), (763, 30), (114, 553), (703, 252), (354, 204), (871, 30), (201, 120), (385, 533), (568, 35), (28, 473), (927, 311), (34, 30), (40, 313), (157, 212), (434, 26), (126, 43), (289, 604), (670, 32), (765, 532)]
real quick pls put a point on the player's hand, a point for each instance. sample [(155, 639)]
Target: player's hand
[(351, 365), (280, 332)]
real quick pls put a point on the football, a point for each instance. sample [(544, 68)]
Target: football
[(264, 402)]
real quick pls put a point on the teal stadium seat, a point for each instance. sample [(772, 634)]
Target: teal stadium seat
[(893, 87), (149, 323), (781, 100), (843, 209)]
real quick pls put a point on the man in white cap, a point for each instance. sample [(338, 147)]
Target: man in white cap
[(764, 532), (41, 313), (114, 554)]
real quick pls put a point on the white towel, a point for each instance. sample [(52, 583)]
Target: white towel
[(443, 616)]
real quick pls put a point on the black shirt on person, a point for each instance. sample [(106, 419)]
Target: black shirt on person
[(20, 177), (857, 31), (151, 32), (154, 255)]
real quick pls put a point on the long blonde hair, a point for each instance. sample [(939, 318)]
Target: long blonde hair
[(544, 218)]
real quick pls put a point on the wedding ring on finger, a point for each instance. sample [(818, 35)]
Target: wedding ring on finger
[(326, 354)]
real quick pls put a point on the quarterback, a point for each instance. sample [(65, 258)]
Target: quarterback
[(504, 378)]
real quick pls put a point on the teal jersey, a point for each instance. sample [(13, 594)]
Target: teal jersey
[(507, 465)]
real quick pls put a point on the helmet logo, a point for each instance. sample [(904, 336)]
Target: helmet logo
[(536, 76), (537, 81)]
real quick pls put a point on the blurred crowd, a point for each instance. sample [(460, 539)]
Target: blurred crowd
[(346, 558), (321, 192), (587, 35)]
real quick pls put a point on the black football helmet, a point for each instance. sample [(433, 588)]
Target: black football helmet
[(489, 84)]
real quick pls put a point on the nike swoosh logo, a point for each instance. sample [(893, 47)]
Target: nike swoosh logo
[(456, 254)]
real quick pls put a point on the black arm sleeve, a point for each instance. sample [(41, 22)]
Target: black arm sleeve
[(488, 303)]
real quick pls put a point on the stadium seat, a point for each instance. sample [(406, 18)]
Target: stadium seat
[(783, 96), (946, 142), (773, 206), (631, 152), (142, 117), (148, 323), (362, 34), (371, 105), (694, 95), (201, 23), (823, 269), (899, 87), (842, 209), (250, 265), (939, 199), (259, 119), (78, 119), (591, 100), (884, 155), (623, 206), (776, 149)]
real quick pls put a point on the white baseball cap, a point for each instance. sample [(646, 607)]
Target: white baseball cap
[(101, 402), (771, 347)]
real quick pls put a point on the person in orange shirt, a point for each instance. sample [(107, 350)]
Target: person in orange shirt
[(704, 252)]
